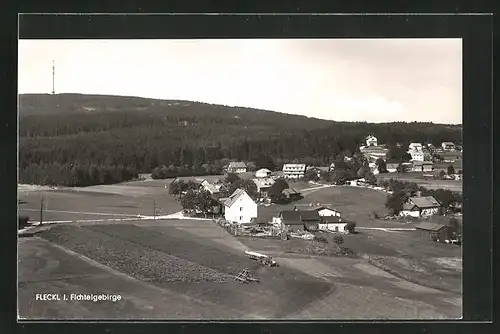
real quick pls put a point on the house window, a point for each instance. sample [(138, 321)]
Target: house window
[(241, 208), (241, 217)]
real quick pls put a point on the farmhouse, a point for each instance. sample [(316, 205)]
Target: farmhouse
[(240, 208), (297, 221), (212, 188), (292, 194), (420, 206), (448, 145), (291, 221), (264, 172), (332, 223), (415, 147), (294, 171), (237, 167), (310, 219), (327, 211), (263, 185), (449, 156), (422, 166), (434, 231), (371, 140)]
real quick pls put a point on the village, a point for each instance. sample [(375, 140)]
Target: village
[(240, 202)]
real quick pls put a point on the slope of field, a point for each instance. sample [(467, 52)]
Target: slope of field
[(46, 268), (143, 254)]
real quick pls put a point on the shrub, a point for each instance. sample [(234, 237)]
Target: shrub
[(320, 238), (338, 239), (350, 227)]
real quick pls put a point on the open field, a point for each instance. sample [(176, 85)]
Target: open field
[(146, 254), (419, 179), (302, 287), (100, 202), (181, 269), (355, 204)]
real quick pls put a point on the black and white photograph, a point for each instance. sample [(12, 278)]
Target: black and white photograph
[(240, 179)]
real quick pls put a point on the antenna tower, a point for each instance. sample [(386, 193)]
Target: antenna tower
[(53, 77)]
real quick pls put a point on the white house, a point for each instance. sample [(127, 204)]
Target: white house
[(326, 211), (416, 155), (263, 184), (264, 172), (371, 140), (416, 151), (332, 223), (294, 171), (415, 147), (240, 208), (448, 145), (237, 167), (420, 206)]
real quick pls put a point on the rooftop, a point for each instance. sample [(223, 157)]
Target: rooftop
[(426, 226), (237, 164), (425, 202)]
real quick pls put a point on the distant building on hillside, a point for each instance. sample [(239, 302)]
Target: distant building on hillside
[(434, 231), (420, 206), (212, 188), (239, 207), (422, 166), (371, 140), (294, 171), (448, 145), (415, 147), (264, 172), (263, 184), (237, 167)]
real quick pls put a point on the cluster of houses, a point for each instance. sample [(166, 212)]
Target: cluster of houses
[(241, 209), (424, 158)]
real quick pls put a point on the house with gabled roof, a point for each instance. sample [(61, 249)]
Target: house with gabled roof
[(263, 173), (332, 223), (239, 208), (212, 188), (435, 231), (263, 184), (237, 167), (420, 206), (371, 140)]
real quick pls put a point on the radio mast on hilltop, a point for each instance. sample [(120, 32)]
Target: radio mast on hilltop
[(53, 77)]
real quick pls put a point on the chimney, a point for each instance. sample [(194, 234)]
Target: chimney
[(419, 193)]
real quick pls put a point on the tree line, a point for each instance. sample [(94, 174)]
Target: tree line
[(173, 138), (402, 191)]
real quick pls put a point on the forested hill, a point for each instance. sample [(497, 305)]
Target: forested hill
[(97, 138)]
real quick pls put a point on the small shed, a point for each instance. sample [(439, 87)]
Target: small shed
[(434, 231)]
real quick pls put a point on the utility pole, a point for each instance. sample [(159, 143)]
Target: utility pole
[(41, 211), (53, 77), (154, 209)]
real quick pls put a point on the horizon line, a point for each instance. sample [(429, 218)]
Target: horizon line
[(235, 106)]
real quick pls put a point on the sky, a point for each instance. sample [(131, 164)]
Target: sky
[(372, 80)]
